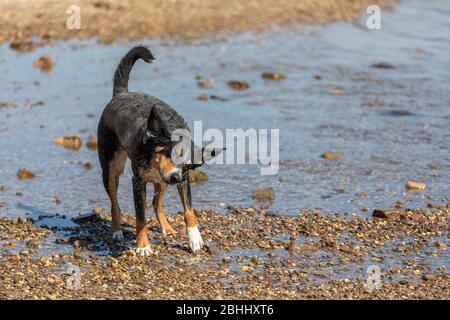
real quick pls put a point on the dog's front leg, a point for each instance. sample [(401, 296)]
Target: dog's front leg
[(140, 193), (159, 190), (195, 239)]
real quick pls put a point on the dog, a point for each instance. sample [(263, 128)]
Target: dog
[(138, 126)]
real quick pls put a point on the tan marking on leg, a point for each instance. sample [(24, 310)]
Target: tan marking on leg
[(159, 190), (189, 215), (142, 234)]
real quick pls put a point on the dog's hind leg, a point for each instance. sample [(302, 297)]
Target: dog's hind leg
[(195, 239), (140, 194), (159, 190), (112, 161)]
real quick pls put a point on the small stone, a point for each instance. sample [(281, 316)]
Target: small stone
[(32, 244), (204, 83), (88, 166), (383, 65), (331, 155), (69, 142), (411, 185), (400, 203), (22, 45), (92, 143), (15, 258), (197, 176), (45, 63), (203, 97), (386, 214), (45, 261), (337, 90), (264, 194), (238, 85), (213, 249), (273, 75), (23, 174), (86, 218), (246, 268), (57, 200), (428, 277), (215, 97), (440, 245)]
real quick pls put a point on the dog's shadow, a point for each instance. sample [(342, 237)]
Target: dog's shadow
[(91, 234)]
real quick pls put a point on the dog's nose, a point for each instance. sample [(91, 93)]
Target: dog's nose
[(175, 177)]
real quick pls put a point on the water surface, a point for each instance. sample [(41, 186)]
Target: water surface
[(390, 124)]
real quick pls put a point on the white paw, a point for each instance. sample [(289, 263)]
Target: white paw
[(144, 252), (118, 236), (195, 239)]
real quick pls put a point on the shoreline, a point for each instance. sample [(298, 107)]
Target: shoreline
[(250, 255), (113, 20)]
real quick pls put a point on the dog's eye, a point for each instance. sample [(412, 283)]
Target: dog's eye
[(159, 149)]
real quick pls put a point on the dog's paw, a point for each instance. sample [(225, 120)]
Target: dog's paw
[(144, 251), (168, 231), (195, 239), (118, 236)]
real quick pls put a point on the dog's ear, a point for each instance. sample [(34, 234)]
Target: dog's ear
[(154, 125), (209, 154)]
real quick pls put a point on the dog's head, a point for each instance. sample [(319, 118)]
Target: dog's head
[(166, 158)]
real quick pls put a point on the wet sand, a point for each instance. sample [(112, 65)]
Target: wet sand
[(111, 20), (251, 255)]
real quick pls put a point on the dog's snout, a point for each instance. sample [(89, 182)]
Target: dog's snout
[(175, 177)]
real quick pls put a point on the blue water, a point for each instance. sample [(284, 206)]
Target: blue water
[(381, 149)]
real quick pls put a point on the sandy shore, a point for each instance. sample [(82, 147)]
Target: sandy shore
[(251, 255), (110, 20)]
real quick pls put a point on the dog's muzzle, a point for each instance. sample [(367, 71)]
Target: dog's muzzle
[(173, 176)]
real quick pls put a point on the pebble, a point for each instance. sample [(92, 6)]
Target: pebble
[(337, 90), (411, 185), (92, 143), (45, 63), (264, 194), (24, 174), (383, 65), (204, 83), (203, 97), (428, 277), (197, 176), (69, 142), (238, 85), (273, 75), (386, 214), (331, 155), (85, 218), (213, 249), (22, 45), (88, 166)]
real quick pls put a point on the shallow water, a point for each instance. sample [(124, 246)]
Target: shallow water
[(390, 124)]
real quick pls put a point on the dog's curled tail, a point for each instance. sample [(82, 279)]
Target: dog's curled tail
[(122, 73)]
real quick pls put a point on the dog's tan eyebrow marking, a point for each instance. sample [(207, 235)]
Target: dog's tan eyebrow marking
[(159, 149)]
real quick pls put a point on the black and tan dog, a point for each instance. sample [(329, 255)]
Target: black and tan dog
[(139, 127)]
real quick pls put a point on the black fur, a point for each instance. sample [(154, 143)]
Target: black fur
[(122, 73), (125, 127)]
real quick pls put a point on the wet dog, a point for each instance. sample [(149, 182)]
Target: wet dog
[(138, 126)]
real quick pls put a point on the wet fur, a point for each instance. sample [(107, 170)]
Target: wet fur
[(123, 132)]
